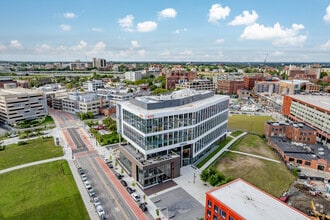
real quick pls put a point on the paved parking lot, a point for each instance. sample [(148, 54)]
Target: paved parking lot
[(178, 204)]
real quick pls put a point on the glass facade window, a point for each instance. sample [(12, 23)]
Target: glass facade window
[(154, 175)]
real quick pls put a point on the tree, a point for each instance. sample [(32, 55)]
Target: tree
[(323, 74)]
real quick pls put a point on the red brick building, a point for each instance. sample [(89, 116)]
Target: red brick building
[(299, 133), (240, 200), (173, 77), (230, 86), (250, 80)]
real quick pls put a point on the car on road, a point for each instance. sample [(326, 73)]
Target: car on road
[(110, 165), (136, 197), (91, 192), (119, 176), (81, 171), (96, 201), (123, 182), (106, 160), (130, 190), (143, 207), (100, 210), (84, 177), (88, 184)]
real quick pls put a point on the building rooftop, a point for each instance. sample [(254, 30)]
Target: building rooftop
[(302, 151), (296, 125), (252, 203), (19, 91), (182, 100), (315, 100)]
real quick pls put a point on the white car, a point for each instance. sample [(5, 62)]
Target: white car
[(100, 210), (88, 185), (136, 197), (97, 202), (84, 177)]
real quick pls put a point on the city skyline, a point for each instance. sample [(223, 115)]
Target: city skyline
[(210, 31)]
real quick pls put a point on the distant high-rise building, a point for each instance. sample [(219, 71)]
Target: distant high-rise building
[(99, 63)]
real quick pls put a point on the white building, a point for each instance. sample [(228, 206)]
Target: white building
[(173, 130), (21, 104), (92, 86), (133, 75)]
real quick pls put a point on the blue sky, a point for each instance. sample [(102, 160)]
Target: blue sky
[(184, 30)]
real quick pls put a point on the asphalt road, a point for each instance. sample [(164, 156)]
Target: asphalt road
[(114, 206)]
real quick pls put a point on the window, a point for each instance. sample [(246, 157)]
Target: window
[(307, 163), (208, 213), (231, 218), (209, 203), (223, 214), (215, 217), (216, 209), (299, 161), (291, 159)]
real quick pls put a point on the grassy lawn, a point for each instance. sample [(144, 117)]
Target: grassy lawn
[(33, 150), (236, 133), (45, 191), (221, 145), (271, 177), (251, 123)]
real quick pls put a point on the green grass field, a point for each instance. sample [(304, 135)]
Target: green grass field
[(34, 150), (46, 191), (269, 176), (251, 123)]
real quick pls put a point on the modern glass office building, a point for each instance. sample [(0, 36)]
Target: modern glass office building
[(166, 132)]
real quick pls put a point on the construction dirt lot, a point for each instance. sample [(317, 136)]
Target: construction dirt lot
[(300, 197)]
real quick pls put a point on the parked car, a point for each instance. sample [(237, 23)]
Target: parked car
[(119, 176), (91, 192), (130, 190), (106, 160), (136, 197), (96, 201), (110, 165), (81, 171), (143, 207), (123, 182), (88, 184), (84, 177), (100, 210)]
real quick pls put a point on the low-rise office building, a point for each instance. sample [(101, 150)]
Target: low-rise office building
[(21, 104), (166, 132), (197, 84), (240, 200)]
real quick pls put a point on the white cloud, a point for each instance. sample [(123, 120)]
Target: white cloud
[(65, 27), (97, 29), (100, 46), (15, 44), (146, 26), (142, 53), (326, 17), (216, 12), (219, 41), (186, 52), (279, 35), (135, 44), (69, 15), (2, 47), (126, 23), (82, 45), (43, 48), (167, 13), (165, 53), (178, 31), (245, 19), (326, 46)]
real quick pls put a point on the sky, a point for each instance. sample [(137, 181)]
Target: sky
[(172, 30)]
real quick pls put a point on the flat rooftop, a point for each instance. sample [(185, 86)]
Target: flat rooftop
[(17, 91), (253, 203), (172, 103), (296, 125), (305, 152), (315, 100)]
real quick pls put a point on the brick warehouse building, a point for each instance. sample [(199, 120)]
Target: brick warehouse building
[(312, 110), (238, 200), (296, 144)]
